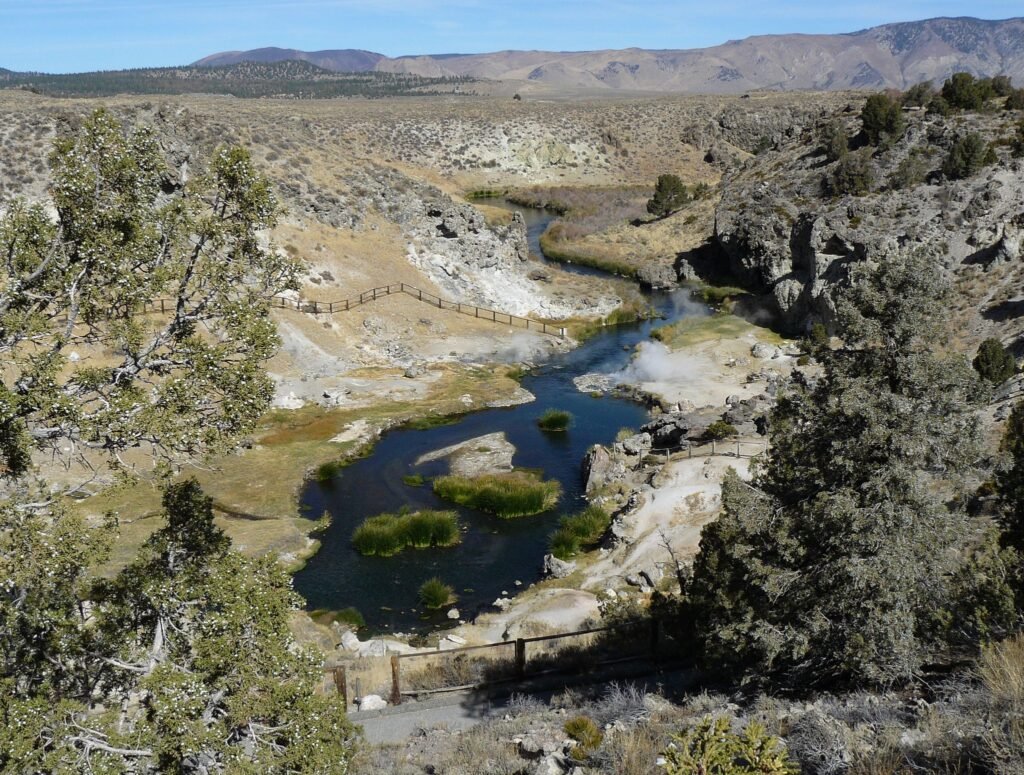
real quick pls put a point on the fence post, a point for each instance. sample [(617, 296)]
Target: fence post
[(396, 678), (341, 684), (712, 447), (520, 657)]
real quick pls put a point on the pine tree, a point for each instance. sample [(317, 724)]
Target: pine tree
[(828, 566)]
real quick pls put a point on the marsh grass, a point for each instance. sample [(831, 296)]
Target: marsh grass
[(577, 531), (387, 534), (435, 594), (431, 421), (414, 480), (555, 420), (515, 494)]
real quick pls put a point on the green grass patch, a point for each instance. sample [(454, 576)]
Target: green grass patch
[(387, 534), (349, 616), (555, 421), (434, 594), (515, 494), (325, 472), (716, 295), (414, 480), (485, 193), (579, 531), (431, 421)]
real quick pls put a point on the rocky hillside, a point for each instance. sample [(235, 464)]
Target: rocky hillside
[(892, 55), (785, 230)]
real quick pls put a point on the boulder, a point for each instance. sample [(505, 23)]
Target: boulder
[(453, 613), (371, 702), (556, 568)]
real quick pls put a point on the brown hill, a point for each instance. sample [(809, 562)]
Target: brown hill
[(892, 55)]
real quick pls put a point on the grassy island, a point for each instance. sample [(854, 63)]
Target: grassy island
[(387, 534), (515, 494), (554, 421)]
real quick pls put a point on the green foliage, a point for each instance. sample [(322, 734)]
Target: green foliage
[(1010, 487), (712, 748), (1015, 101), (719, 429), (834, 142), (670, 195), (579, 530), (968, 155), (882, 119), (414, 480), (717, 295), (352, 617), (387, 534), (801, 579), (919, 95), (938, 106), (196, 633), (586, 733), (1002, 85), (911, 171), (434, 594), (175, 385), (1017, 143), (516, 494), (854, 174), (994, 362), (554, 420), (962, 91)]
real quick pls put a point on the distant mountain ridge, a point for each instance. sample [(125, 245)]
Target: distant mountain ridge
[(892, 55)]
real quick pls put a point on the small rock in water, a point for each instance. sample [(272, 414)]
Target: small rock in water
[(519, 583), (453, 614)]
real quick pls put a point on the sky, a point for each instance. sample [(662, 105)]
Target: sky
[(80, 35)]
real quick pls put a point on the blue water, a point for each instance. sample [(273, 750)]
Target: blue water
[(494, 553)]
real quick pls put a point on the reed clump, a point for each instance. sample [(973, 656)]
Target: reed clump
[(515, 494), (435, 594), (579, 531), (387, 534), (555, 421)]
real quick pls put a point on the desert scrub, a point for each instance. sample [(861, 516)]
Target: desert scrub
[(587, 735), (719, 429), (554, 420), (387, 534), (713, 748), (515, 494), (434, 594), (577, 531)]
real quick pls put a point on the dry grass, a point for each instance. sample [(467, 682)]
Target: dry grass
[(1001, 668)]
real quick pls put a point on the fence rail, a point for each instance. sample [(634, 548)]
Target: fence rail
[(331, 307)]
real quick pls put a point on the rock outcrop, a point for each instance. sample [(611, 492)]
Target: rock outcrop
[(782, 233)]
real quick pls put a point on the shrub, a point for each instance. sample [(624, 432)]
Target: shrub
[(435, 594), (834, 142), (563, 544), (712, 748), (882, 118), (969, 154), (964, 92), (919, 95), (853, 175), (912, 171), (352, 617), (516, 494), (586, 734), (554, 420), (387, 534), (720, 429), (994, 363), (1016, 100), (939, 107), (1017, 143), (1001, 85)]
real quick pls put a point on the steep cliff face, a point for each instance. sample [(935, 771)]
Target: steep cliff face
[(783, 233)]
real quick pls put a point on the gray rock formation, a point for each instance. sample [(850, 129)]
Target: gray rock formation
[(782, 234)]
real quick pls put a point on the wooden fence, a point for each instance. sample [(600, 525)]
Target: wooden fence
[(331, 307), (516, 660)]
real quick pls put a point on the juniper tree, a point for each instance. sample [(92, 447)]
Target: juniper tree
[(182, 663), (828, 565), (670, 194), (882, 118), (91, 371)]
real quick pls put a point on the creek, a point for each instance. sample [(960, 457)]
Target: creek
[(494, 553)]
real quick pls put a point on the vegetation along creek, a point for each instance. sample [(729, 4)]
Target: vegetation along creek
[(494, 553)]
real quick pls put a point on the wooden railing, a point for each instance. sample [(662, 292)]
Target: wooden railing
[(332, 307)]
